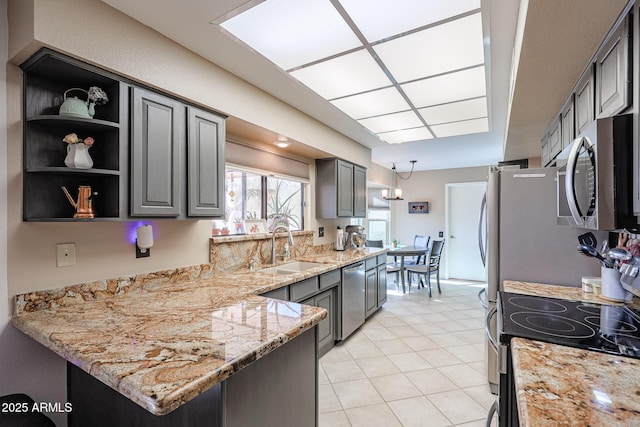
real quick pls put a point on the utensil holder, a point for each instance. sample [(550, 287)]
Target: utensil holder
[(612, 290)]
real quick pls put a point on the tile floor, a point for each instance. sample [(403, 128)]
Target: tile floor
[(418, 361)]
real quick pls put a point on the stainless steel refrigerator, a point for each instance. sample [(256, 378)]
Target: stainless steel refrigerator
[(520, 240)]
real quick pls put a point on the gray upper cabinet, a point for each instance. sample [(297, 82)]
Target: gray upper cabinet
[(359, 192), (177, 158), (555, 138), (340, 189), (584, 100), (205, 158), (156, 151), (613, 77), (567, 122), (545, 150), (344, 188)]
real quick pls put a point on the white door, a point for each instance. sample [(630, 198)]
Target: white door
[(463, 211)]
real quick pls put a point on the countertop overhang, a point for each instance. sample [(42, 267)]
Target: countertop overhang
[(163, 345)]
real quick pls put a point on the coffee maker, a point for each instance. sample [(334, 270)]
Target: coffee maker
[(356, 238)]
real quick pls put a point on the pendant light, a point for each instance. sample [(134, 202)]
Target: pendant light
[(396, 191)]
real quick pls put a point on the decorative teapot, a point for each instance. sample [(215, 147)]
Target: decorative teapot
[(75, 107), (84, 205)]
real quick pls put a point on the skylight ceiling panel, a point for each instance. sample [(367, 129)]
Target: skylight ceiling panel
[(441, 49), (379, 19), (345, 75), (447, 88), (389, 122), (375, 103), (461, 128), (405, 135), (455, 111), (292, 32)]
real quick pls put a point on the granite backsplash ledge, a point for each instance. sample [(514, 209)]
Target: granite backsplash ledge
[(227, 254)]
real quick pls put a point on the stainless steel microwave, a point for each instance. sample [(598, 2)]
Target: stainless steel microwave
[(595, 186)]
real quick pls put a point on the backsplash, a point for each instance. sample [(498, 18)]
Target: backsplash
[(228, 253), (232, 253)]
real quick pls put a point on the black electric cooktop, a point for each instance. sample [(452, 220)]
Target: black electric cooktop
[(600, 327)]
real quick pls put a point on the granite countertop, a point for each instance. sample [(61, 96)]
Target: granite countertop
[(164, 344), (560, 385), (564, 386)]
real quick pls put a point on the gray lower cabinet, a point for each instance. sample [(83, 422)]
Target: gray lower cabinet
[(319, 291), (327, 327), (371, 291), (177, 158), (277, 390), (382, 283), (375, 283)]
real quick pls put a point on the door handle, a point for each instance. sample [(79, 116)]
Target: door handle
[(487, 328)]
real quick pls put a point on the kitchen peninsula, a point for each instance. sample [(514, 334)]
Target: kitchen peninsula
[(186, 344)]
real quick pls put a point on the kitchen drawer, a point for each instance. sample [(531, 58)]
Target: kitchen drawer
[(382, 259), (369, 263), (330, 279), (280, 293), (303, 289)]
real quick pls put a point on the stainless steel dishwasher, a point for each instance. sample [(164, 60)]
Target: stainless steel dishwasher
[(353, 298)]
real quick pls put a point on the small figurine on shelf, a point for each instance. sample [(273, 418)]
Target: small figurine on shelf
[(78, 152), (96, 97)]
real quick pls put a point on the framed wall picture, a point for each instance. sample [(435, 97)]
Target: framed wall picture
[(255, 226), (418, 207)]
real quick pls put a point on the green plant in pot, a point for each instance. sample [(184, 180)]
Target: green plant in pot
[(282, 209)]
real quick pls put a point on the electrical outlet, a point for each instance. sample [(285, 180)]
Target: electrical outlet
[(441, 234), (65, 254), (321, 232)]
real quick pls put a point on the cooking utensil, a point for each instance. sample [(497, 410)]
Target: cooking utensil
[(591, 251), (619, 254), (588, 239)]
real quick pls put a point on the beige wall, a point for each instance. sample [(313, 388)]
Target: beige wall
[(428, 186), (107, 38)]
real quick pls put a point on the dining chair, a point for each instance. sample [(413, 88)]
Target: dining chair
[(419, 242), (433, 267)]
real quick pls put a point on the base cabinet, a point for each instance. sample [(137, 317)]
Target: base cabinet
[(327, 327), (277, 390), (319, 291), (375, 284), (371, 291)]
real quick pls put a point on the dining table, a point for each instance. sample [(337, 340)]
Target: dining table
[(406, 251)]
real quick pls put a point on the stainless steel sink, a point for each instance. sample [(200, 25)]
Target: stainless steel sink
[(291, 267)]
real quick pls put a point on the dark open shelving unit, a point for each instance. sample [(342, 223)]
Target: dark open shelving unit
[(47, 75)]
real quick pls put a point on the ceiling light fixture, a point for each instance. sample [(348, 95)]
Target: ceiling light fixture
[(396, 191), (282, 144)]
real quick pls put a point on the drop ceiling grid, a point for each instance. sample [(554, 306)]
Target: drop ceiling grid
[(388, 78)]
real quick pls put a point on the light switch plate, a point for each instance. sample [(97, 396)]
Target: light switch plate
[(65, 254)]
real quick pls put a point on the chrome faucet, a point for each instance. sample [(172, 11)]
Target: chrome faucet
[(287, 245)]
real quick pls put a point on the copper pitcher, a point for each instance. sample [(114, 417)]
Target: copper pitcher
[(84, 205)]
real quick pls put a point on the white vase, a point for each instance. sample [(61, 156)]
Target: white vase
[(78, 157)]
